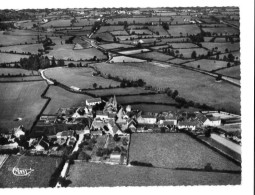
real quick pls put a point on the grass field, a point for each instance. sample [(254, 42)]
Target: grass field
[(15, 40), (90, 175), (125, 59), (43, 169), (123, 38), (62, 98), (222, 30), (179, 61), (160, 108), (119, 91), (59, 22), (20, 78), (208, 65), (233, 71), (33, 49), (6, 57), (154, 55), (187, 52), (182, 45), (23, 100), (115, 46), (183, 30), (175, 40), (67, 52), (176, 150), (136, 51), (110, 28), (222, 46), (105, 36), (236, 54), (78, 77), (17, 71), (191, 85), (119, 32), (140, 32)]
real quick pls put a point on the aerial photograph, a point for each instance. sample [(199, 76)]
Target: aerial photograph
[(120, 96)]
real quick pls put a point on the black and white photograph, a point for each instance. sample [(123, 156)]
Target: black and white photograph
[(126, 95)]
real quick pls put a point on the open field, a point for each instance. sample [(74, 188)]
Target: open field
[(118, 91), (187, 52), (33, 49), (59, 22), (176, 150), (158, 29), (84, 174), (43, 169), (222, 46), (191, 85), (22, 99), (154, 55), (62, 98), (236, 54), (136, 51), (17, 71), (222, 30), (23, 32), (123, 38), (67, 52), (110, 28), (125, 59), (78, 77), (179, 61), (207, 65), (157, 98), (115, 46), (7, 57), (140, 32), (21, 78), (233, 71), (105, 36), (15, 40), (157, 108), (119, 32), (174, 40), (182, 45), (183, 30)]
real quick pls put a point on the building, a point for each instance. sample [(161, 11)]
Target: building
[(146, 118), (191, 125), (93, 101), (17, 132), (111, 105), (208, 121)]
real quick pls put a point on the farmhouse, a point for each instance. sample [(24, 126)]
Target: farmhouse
[(93, 101), (146, 118), (208, 121), (188, 125)]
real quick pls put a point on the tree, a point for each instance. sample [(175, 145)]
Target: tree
[(95, 85), (194, 54), (198, 66), (174, 94), (228, 64), (53, 62), (219, 77)]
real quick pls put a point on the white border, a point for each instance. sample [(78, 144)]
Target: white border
[(247, 91)]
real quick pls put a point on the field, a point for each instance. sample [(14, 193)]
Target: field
[(176, 150), (154, 55), (78, 77), (221, 30), (174, 40), (187, 52), (17, 71), (20, 78), (125, 59), (105, 36), (222, 46), (236, 54), (207, 65), (160, 108), (157, 98), (119, 32), (67, 52), (115, 46), (23, 100), (182, 45), (183, 30), (6, 57), (118, 91), (62, 98), (179, 61), (193, 86), (61, 22), (110, 28), (140, 32), (15, 40), (136, 51), (23, 48), (233, 71), (43, 169), (90, 175), (123, 38)]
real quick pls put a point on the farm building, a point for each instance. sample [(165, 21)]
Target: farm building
[(188, 125), (205, 121), (93, 101), (146, 118)]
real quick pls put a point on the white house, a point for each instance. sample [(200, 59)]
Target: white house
[(93, 101), (146, 119), (188, 125), (18, 131)]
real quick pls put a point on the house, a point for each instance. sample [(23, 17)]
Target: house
[(82, 113), (167, 118), (101, 115), (208, 120), (17, 132), (48, 119), (115, 157), (93, 101), (98, 124), (114, 129), (95, 133), (65, 134), (9, 146), (188, 125), (146, 118), (42, 145), (214, 121)]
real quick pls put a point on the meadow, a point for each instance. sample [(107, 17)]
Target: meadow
[(115, 46), (154, 55), (15, 40), (183, 30), (187, 52), (222, 46), (17, 71), (33, 49), (191, 85), (233, 71), (222, 30), (20, 99), (7, 57), (176, 150), (125, 59)]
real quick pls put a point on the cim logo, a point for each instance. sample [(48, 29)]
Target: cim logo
[(21, 172)]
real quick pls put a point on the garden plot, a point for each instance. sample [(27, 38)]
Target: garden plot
[(136, 51), (79, 77), (187, 52), (33, 49), (125, 59), (154, 56), (176, 150), (7, 57), (183, 30), (233, 71), (207, 65), (115, 46), (222, 46), (158, 30), (66, 52)]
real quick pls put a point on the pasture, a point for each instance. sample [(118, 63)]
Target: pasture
[(233, 71), (79, 77), (179, 61), (187, 52), (136, 51), (124, 38), (20, 99), (105, 36), (174, 40), (119, 32), (176, 150), (66, 52), (222, 46), (207, 65), (58, 22), (33, 49), (183, 30), (7, 57), (191, 85), (140, 32), (221, 30), (20, 79), (61, 98), (15, 40), (110, 28), (182, 45), (125, 59), (154, 55), (115, 46), (17, 71), (90, 175)]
